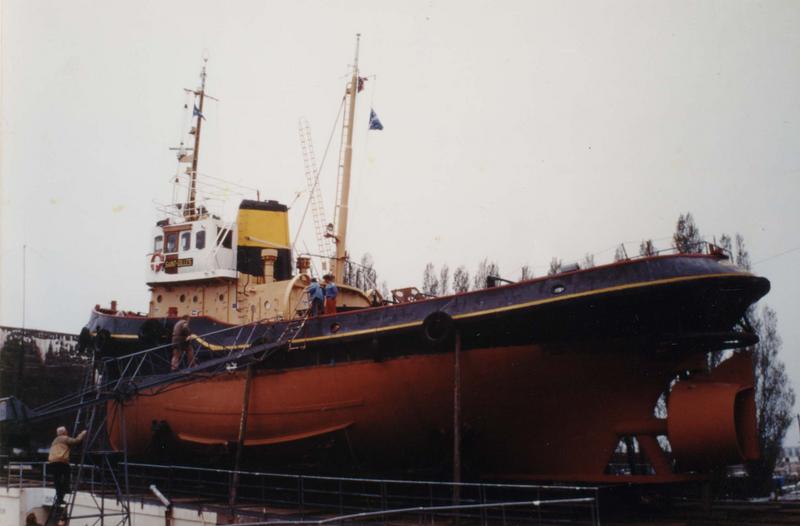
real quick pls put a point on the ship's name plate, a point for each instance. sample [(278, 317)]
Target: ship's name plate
[(175, 263)]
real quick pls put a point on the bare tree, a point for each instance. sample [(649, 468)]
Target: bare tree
[(555, 267), (349, 277), (384, 289), (741, 255), (774, 395), (726, 244), (646, 248), (460, 280), (444, 279), (525, 273), (736, 249), (620, 254), (486, 268), (367, 277), (774, 400), (430, 282), (587, 261), (686, 238)]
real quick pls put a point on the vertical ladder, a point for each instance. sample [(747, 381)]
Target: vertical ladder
[(96, 426), (312, 180)]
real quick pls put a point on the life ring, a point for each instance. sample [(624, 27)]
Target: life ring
[(437, 327), (157, 262)]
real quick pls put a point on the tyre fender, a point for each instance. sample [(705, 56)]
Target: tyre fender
[(437, 327)]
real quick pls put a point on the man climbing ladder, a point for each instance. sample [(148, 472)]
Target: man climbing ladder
[(59, 463)]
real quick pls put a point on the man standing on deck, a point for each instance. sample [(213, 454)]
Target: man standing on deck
[(59, 461), (330, 294), (315, 298), (180, 343)]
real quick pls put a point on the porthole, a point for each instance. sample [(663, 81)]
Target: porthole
[(267, 305), (335, 328), (558, 289), (183, 298), (194, 299), (222, 297), (159, 298)]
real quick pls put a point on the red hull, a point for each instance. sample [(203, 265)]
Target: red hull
[(549, 386), (531, 411)]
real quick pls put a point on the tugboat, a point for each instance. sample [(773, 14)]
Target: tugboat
[(549, 375)]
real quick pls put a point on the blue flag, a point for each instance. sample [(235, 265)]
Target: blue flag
[(196, 112), (374, 121)]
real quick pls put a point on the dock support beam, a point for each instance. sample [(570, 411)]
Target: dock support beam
[(240, 443), (457, 417)]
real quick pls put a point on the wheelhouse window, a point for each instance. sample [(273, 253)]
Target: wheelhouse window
[(227, 241), (158, 244), (200, 240), (172, 242), (186, 241)]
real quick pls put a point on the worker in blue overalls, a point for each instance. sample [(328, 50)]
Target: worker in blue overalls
[(315, 298)]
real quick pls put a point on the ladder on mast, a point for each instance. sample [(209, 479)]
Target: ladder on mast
[(312, 180)]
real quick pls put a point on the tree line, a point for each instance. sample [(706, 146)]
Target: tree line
[(36, 377)]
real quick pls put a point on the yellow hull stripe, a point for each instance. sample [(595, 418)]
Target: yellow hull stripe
[(516, 306)]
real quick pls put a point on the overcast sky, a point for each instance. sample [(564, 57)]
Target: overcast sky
[(516, 131)]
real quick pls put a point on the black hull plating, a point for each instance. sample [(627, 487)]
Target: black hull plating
[(666, 302)]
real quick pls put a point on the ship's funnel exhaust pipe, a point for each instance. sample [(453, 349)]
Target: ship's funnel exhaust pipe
[(268, 258), (712, 420)]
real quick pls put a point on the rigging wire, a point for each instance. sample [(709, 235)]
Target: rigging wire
[(775, 256)]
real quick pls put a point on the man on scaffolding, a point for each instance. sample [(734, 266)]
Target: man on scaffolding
[(59, 462)]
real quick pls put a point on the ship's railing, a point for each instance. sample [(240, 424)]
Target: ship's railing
[(315, 495), (646, 250), (359, 276), (622, 254), (31, 474), (317, 499), (355, 275), (121, 377), (19, 474)]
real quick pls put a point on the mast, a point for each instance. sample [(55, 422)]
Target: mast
[(190, 211), (341, 221)]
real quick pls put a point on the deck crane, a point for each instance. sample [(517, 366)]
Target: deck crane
[(324, 240)]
